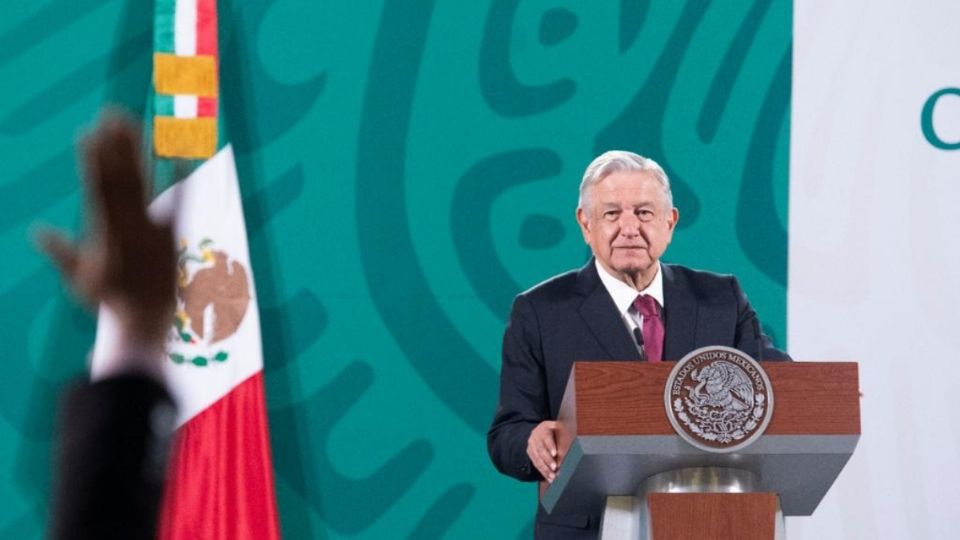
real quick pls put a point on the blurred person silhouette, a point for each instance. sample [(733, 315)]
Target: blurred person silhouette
[(114, 431)]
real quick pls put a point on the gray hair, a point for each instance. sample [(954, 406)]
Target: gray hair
[(614, 161)]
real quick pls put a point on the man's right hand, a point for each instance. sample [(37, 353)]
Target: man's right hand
[(542, 449)]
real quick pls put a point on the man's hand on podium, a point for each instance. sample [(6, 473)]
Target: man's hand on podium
[(542, 449)]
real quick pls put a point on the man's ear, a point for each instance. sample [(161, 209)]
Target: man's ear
[(673, 219), (584, 223)]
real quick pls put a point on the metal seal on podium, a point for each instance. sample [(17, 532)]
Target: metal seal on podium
[(718, 399)]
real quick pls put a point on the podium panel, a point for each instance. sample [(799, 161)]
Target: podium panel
[(715, 516), (613, 434)]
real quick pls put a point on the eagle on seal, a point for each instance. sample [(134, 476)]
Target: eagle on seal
[(722, 384)]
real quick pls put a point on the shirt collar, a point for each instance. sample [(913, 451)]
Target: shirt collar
[(623, 295)]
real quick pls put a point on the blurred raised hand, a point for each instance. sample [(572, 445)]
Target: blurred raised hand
[(127, 261)]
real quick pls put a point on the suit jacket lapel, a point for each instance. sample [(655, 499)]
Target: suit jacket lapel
[(679, 316), (602, 318)]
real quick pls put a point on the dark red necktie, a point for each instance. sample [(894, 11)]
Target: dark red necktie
[(652, 327)]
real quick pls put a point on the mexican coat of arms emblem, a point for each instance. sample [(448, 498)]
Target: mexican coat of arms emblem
[(718, 399)]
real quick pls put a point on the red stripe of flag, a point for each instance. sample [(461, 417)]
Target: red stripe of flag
[(207, 107), (207, 27), (207, 45), (220, 482)]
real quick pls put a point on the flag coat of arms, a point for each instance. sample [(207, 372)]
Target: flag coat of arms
[(220, 474)]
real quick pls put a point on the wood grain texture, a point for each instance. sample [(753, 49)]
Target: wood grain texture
[(626, 398), (712, 516)]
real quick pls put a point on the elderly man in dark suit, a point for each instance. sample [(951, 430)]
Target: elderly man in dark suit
[(623, 305)]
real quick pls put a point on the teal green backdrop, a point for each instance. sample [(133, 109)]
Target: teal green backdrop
[(407, 167)]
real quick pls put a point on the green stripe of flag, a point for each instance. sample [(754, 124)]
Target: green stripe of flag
[(163, 25), (162, 105)]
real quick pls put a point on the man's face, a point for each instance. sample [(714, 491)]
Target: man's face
[(628, 225)]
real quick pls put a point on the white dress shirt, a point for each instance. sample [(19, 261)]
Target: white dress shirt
[(623, 296)]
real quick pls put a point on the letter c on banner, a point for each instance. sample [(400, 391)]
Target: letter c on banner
[(926, 120)]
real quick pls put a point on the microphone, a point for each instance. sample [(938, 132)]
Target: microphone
[(759, 335), (638, 337)]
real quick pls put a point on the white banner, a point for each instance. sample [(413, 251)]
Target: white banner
[(874, 261)]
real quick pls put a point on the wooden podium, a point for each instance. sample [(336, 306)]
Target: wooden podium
[(620, 455)]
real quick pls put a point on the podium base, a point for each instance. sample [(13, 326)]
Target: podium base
[(702, 502)]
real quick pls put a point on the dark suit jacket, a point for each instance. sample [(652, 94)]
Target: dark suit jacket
[(112, 439), (572, 317)]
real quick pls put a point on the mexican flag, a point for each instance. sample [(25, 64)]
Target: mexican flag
[(220, 475)]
